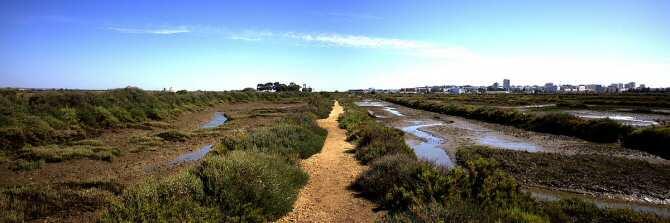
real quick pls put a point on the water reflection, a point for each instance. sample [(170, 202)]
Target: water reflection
[(429, 148)]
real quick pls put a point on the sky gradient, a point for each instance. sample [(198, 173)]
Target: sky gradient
[(331, 45)]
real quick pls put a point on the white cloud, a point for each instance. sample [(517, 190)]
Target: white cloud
[(412, 47), (161, 31), (438, 64)]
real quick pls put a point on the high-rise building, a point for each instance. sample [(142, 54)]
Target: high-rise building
[(630, 85), (506, 84), (550, 88)]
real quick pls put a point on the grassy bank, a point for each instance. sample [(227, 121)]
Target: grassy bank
[(477, 191), (652, 139), (250, 176), (40, 118), (589, 173)]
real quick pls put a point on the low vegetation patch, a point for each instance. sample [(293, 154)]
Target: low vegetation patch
[(177, 198), (593, 173), (373, 139), (55, 153), (174, 136), (32, 202), (655, 140), (295, 136), (251, 186)]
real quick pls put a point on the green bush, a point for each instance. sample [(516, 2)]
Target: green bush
[(174, 136), (251, 186), (373, 140), (26, 203), (653, 140), (295, 136), (27, 165), (54, 153), (173, 199), (396, 181)]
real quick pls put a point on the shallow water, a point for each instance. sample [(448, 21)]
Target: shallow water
[(487, 137), (498, 141), (393, 111), (193, 156), (429, 147), (371, 103), (218, 120), (551, 195), (632, 119)]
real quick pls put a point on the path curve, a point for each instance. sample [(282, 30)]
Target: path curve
[(326, 198)]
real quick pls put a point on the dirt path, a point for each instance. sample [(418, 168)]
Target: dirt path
[(326, 197)]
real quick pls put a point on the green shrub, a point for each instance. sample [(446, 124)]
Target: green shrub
[(68, 115), (373, 139), (26, 203), (295, 136), (173, 199), (54, 153), (174, 136), (146, 140), (88, 142), (655, 140), (27, 165), (250, 186), (396, 181), (105, 118)]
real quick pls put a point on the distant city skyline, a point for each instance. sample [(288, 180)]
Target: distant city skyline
[(332, 45)]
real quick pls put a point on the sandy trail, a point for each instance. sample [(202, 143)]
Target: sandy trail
[(326, 197)]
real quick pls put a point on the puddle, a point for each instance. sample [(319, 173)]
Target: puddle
[(537, 106), (626, 118), (429, 147), (218, 120), (393, 111), (550, 195), (502, 142), (487, 137), (193, 156), (371, 103)]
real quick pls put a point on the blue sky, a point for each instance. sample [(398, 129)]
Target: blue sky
[(331, 45)]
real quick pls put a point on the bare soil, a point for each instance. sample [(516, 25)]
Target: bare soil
[(326, 198)]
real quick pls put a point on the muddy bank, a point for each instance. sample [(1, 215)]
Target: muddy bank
[(428, 147), (616, 202), (455, 132)]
